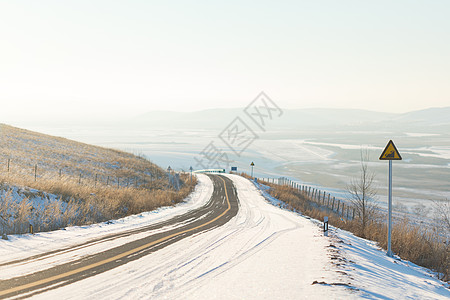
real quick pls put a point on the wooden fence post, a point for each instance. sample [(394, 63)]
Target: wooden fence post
[(332, 206), (9, 160), (35, 173)]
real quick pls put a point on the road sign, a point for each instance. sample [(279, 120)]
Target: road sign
[(390, 152), (234, 169)]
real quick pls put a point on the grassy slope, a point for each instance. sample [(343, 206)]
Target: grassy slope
[(26, 149), (90, 183)]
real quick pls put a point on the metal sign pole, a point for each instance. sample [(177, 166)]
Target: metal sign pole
[(390, 153), (389, 251)]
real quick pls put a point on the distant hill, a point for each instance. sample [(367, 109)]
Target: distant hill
[(431, 116), (430, 119), (297, 118), (210, 118)]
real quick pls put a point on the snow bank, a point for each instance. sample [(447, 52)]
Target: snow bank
[(377, 276)]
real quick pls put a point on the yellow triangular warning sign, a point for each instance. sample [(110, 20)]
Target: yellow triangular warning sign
[(390, 152)]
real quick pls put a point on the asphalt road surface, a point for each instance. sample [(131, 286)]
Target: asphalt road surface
[(222, 206)]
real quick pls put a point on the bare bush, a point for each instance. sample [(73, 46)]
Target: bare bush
[(362, 194)]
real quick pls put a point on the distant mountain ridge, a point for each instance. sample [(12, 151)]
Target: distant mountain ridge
[(297, 118)]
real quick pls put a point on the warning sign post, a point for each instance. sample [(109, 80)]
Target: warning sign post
[(390, 153)]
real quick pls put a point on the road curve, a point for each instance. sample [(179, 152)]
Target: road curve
[(222, 206)]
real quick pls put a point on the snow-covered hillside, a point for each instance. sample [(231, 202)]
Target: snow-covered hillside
[(263, 253)]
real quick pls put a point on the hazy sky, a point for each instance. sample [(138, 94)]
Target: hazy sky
[(110, 57)]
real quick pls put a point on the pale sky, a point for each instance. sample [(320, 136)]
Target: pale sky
[(112, 57)]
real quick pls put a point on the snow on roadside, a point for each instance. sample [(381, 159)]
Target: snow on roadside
[(378, 276), (373, 274), (23, 246)]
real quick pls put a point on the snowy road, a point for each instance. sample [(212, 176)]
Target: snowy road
[(263, 252), (259, 254)]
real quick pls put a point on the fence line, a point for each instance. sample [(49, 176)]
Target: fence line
[(321, 199), (17, 217), (145, 180)]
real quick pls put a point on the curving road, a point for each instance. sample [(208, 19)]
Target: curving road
[(222, 206)]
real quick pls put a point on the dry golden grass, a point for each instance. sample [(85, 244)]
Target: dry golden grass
[(113, 184), (25, 149), (409, 241)]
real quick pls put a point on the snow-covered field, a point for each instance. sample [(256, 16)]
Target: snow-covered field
[(263, 253)]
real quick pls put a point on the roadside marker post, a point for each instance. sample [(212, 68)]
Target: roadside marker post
[(252, 165), (390, 153), (325, 226), (190, 169), (169, 169)]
